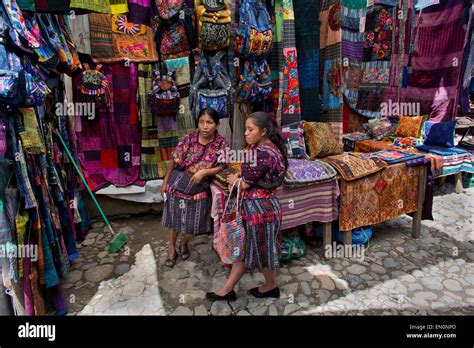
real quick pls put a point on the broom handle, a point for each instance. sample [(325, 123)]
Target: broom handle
[(84, 181)]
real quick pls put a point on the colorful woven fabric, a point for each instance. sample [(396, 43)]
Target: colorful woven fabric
[(364, 205), (114, 38), (379, 128), (150, 148), (409, 126), (303, 172), (307, 44), (391, 156), (439, 35), (109, 145), (352, 167), (294, 140), (320, 139), (26, 5), (30, 134)]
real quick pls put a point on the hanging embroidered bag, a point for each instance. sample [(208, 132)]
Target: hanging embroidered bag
[(164, 97), (214, 25), (229, 241), (254, 35), (95, 86), (255, 82), (211, 87), (174, 29), (12, 76)]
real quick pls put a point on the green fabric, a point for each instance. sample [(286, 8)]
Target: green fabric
[(26, 5), (101, 6), (278, 28), (354, 4)]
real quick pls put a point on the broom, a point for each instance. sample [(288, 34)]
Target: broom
[(119, 238)]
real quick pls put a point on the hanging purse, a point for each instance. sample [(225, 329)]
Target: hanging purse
[(164, 97), (229, 240)]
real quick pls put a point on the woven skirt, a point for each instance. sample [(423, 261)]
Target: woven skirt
[(262, 221), (188, 212)]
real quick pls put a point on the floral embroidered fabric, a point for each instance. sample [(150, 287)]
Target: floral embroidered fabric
[(192, 156)]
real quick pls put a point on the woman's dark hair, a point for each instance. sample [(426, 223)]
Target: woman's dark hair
[(265, 121), (209, 112)]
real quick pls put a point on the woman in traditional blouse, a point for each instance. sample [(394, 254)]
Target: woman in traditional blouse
[(186, 185), (260, 208)]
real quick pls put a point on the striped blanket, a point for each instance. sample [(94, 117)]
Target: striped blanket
[(299, 205)]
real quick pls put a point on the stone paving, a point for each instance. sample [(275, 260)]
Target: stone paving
[(399, 275)]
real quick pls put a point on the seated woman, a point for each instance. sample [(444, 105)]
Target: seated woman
[(186, 185), (260, 207)]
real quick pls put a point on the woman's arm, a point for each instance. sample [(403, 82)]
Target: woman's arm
[(171, 166)]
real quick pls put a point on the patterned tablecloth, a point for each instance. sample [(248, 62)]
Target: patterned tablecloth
[(299, 205), (379, 197)]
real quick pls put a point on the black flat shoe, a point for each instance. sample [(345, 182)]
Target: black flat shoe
[(275, 293), (230, 296)]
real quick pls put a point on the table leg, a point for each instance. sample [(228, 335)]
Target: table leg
[(458, 182), (327, 239), (347, 239), (416, 227)]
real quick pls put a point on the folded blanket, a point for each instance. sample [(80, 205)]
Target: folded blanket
[(302, 172), (352, 167), (389, 156), (442, 151)]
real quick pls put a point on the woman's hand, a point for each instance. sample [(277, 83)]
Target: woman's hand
[(164, 189), (199, 176), (231, 179)]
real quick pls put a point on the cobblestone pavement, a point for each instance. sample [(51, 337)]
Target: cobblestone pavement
[(399, 275)]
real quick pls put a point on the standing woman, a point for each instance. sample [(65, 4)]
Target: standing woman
[(186, 185), (260, 207)]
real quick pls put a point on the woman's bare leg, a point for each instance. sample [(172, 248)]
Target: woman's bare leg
[(236, 273), (270, 280), (172, 236)]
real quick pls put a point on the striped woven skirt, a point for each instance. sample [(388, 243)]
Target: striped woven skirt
[(262, 221), (188, 207)]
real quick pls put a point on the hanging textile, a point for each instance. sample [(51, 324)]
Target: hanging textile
[(101, 6), (432, 77), (331, 64), (27, 5), (375, 66), (352, 16), (140, 11), (52, 5), (307, 44), (81, 34), (150, 149), (118, 6), (291, 107), (109, 145), (114, 39)]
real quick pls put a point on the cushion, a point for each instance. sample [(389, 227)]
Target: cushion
[(303, 172), (294, 140), (439, 134), (409, 126), (379, 129), (320, 139)]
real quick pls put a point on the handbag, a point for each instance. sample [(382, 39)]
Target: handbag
[(229, 241)]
